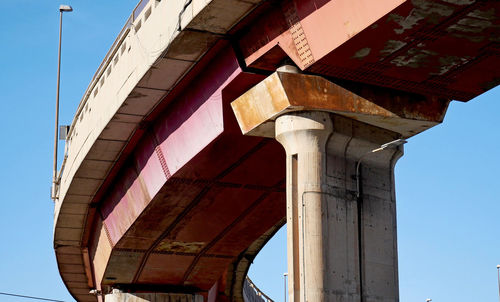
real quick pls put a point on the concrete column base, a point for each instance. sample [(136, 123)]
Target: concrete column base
[(118, 296)]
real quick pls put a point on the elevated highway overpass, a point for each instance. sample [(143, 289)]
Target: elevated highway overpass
[(189, 150)]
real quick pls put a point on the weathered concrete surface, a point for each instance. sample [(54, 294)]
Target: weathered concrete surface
[(339, 248), (407, 114)]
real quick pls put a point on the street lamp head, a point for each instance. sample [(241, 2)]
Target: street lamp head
[(394, 143), (428, 300), (498, 266), (65, 8)]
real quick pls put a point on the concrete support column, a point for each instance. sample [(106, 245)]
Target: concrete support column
[(328, 228), (340, 247), (304, 137)]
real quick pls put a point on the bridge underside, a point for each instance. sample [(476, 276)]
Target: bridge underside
[(192, 196), (190, 201)]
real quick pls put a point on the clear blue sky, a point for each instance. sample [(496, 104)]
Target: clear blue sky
[(447, 184)]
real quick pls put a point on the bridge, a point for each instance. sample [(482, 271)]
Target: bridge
[(211, 123)]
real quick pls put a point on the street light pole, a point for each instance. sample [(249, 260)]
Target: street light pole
[(284, 280), (498, 279), (62, 8)]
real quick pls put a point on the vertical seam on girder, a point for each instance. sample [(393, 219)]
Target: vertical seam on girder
[(163, 162)]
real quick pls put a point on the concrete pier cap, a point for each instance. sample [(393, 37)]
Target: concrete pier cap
[(287, 90)]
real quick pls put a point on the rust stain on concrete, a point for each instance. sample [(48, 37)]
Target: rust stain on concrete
[(284, 92)]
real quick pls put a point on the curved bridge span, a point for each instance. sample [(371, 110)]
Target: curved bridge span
[(210, 124)]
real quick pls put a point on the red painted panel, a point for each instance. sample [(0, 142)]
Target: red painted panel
[(97, 252), (149, 165), (429, 47), (271, 159), (207, 272), (220, 156), (196, 119), (258, 221), (192, 123), (160, 213), (116, 209), (165, 269), (216, 211)]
